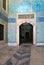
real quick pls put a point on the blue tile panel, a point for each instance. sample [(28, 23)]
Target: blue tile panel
[(12, 20), (40, 16), (20, 6), (38, 6), (40, 32), (40, 19), (3, 17), (12, 32)]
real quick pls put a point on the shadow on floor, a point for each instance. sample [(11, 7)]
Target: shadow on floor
[(21, 56)]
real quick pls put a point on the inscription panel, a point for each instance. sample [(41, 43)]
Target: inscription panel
[(26, 16)]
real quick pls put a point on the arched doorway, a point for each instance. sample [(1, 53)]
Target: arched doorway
[(26, 20), (26, 34), (1, 32)]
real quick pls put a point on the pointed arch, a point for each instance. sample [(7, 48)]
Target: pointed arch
[(26, 33)]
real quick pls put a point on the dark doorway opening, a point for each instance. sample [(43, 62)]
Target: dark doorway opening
[(26, 34), (1, 32)]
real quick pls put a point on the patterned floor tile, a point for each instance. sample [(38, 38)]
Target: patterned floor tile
[(26, 63), (9, 62)]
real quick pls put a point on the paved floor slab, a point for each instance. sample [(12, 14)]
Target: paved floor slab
[(21, 55)]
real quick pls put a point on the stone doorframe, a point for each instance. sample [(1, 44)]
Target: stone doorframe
[(30, 21)]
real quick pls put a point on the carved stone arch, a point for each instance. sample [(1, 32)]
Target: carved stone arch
[(31, 22), (26, 23), (26, 34)]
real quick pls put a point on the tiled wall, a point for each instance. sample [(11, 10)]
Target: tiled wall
[(16, 6), (24, 6), (40, 32), (3, 20), (12, 32), (40, 27)]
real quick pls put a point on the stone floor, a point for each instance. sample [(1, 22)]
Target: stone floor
[(37, 55), (21, 55)]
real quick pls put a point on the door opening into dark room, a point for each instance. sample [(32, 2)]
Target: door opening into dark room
[(26, 34)]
